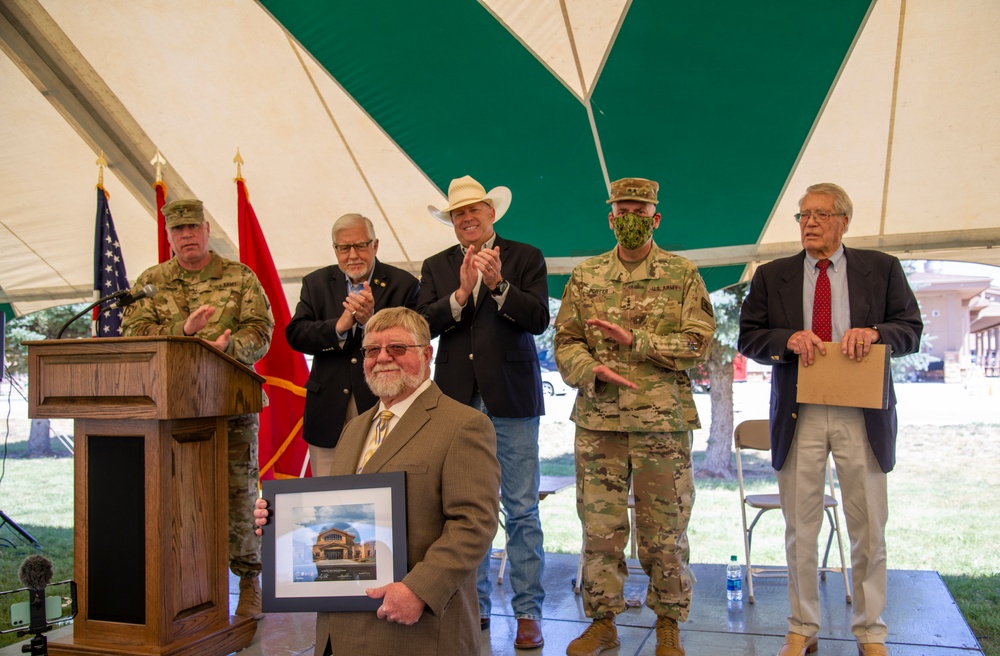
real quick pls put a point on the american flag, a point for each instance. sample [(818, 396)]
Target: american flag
[(109, 269)]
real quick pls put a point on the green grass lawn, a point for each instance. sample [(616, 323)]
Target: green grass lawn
[(942, 503)]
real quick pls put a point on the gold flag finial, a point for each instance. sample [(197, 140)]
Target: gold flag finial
[(158, 162), (101, 163), (239, 164)]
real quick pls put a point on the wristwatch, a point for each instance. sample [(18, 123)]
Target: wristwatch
[(878, 335), (500, 288)]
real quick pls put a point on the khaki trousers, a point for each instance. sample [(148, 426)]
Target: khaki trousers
[(820, 430)]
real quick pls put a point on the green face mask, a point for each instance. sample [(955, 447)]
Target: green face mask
[(632, 230)]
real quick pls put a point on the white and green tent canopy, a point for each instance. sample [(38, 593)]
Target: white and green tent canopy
[(374, 106)]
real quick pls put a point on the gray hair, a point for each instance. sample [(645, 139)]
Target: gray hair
[(351, 220), (400, 317), (841, 201)]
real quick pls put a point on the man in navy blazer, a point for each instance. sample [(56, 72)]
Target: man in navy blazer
[(334, 305), (485, 298), (870, 303)]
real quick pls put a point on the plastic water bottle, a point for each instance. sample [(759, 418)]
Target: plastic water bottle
[(734, 580)]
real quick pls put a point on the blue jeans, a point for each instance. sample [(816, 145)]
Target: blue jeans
[(517, 451)]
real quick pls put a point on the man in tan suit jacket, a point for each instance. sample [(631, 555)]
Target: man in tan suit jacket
[(448, 452)]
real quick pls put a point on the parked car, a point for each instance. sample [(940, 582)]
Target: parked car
[(552, 384)]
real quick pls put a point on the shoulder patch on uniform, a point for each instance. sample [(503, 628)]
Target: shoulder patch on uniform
[(706, 305)]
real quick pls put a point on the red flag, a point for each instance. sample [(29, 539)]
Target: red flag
[(162, 245), (282, 449)]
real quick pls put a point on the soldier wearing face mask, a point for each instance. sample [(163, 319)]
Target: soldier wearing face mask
[(632, 321)]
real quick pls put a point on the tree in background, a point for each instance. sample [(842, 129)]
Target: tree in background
[(44, 324), (719, 371)]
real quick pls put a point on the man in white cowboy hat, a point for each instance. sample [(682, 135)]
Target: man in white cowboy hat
[(485, 298)]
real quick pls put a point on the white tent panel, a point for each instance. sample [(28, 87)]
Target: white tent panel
[(930, 167), (389, 189), (570, 37), (945, 169), (258, 91), (52, 247), (847, 147)]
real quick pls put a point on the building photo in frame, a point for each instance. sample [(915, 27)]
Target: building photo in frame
[(330, 539)]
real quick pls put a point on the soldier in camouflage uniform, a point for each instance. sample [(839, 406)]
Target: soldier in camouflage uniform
[(632, 321), (204, 295)]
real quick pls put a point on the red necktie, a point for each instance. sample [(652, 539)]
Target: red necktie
[(821, 304)]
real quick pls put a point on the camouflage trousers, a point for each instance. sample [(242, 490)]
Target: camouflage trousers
[(663, 485), (244, 474)]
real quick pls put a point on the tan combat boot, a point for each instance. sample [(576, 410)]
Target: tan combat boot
[(668, 637), (599, 636), (249, 605)]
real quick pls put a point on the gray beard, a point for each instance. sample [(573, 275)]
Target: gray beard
[(384, 387)]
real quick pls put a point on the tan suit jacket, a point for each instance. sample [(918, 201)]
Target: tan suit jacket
[(448, 452)]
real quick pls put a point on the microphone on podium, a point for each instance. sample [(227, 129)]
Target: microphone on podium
[(122, 298), (128, 298)]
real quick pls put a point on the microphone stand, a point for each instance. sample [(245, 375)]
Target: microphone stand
[(113, 297)]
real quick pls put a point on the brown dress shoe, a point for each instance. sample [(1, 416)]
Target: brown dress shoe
[(872, 649), (249, 604), (529, 634), (599, 636), (797, 644)]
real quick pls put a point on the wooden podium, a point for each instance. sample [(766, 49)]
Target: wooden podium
[(150, 490)]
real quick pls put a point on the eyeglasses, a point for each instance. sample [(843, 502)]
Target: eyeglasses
[(395, 350), (821, 217), (344, 249)]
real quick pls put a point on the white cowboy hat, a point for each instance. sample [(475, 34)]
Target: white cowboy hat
[(466, 191)]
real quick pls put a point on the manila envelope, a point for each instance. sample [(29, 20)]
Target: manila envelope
[(835, 379)]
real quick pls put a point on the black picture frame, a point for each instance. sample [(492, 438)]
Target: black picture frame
[(331, 538)]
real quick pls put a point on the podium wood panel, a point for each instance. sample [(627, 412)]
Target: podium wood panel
[(150, 490), (137, 378)]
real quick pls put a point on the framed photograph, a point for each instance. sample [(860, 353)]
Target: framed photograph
[(332, 538)]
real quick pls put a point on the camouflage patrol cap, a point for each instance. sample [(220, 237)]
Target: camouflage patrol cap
[(183, 212), (639, 189)]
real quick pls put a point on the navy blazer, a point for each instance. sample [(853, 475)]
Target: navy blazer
[(489, 348), (879, 295), (337, 370)]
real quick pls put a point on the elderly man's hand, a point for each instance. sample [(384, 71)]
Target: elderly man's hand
[(261, 515), (603, 372), (857, 342), (361, 305), (803, 343), (399, 603), (613, 331)]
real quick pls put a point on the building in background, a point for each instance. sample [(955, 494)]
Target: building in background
[(961, 312)]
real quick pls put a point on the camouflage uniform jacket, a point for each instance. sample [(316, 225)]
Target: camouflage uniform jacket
[(666, 306), (231, 287)]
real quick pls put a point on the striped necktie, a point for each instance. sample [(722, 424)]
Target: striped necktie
[(821, 322), (381, 430)]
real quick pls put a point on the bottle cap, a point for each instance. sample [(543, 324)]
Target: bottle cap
[(732, 558)]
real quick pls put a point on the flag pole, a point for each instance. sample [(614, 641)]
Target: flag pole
[(238, 160), (101, 163), (163, 249)]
